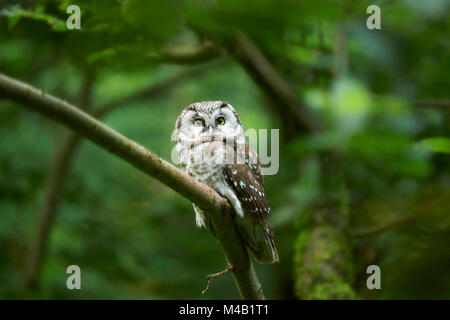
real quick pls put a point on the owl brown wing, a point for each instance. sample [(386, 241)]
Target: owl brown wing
[(251, 158), (245, 178)]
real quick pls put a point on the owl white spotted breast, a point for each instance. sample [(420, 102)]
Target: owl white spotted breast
[(211, 147)]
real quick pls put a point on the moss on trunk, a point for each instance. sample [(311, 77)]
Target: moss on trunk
[(323, 253)]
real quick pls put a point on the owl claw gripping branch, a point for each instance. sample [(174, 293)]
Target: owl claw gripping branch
[(211, 147)]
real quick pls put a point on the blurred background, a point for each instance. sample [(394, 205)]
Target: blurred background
[(364, 145)]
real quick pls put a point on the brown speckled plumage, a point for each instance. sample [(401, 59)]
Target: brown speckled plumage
[(219, 156)]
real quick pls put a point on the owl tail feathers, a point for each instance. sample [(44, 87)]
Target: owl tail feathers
[(261, 243), (267, 251)]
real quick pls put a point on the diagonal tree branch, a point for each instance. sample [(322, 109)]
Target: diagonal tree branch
[(432, 103), (217, 208), (267, 77), (151, 91), (64, 158), (415, 215)]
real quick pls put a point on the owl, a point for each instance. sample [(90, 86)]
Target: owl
[(211, 147)]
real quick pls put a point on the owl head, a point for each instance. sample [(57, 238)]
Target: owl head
[(208, 121)]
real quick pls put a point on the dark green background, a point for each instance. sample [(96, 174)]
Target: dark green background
[(134, 238)]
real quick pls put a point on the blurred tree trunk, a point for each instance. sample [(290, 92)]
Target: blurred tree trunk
[(323, 252), (324, 266), (62, 160)]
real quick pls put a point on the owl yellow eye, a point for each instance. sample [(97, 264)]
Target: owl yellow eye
[(220, 120), (198, 122)]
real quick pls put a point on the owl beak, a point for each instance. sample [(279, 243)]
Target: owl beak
[(210, 131)]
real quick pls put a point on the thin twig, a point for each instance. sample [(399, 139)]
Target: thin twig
[(216, 275), (403, 220), (154, 90), (432, 102)]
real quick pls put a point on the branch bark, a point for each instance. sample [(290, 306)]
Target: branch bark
[(217, 208)]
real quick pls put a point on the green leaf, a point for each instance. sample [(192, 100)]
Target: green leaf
[(104, 54), (435, 144), (14, 13)]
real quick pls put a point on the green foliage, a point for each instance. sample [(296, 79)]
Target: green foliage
[(15, 13), (436, 144)]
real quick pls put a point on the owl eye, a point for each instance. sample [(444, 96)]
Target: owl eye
[(220, 120), (198, 122)]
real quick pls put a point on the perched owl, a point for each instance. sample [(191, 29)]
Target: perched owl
[(211, 147)]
